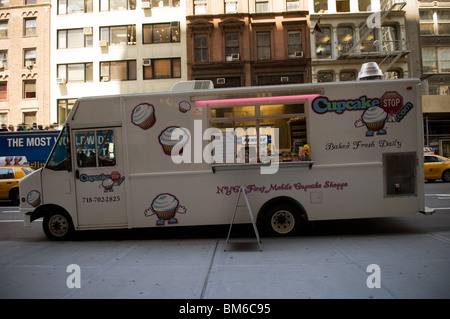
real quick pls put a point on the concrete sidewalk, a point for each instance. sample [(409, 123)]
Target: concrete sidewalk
[(412, 265)]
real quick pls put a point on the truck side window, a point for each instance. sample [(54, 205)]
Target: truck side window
[(95, 148), (59, 159)]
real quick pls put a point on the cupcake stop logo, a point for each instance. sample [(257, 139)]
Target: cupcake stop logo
[(376, 111)]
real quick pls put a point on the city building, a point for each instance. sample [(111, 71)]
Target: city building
[(435, 38), (244, 43), (347, 33), (106, 47), (24, 62)]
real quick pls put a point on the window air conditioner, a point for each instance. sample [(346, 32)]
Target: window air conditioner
[(103, 43), (220, 80), (284, 79), (87, 31), (296, 54), (147, 62), (146, 5), (235, 57), (60, 81)]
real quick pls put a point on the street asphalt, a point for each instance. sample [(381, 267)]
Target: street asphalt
[(387, 258)]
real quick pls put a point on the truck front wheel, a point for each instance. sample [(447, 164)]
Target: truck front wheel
[(58, 226), (282, 219)]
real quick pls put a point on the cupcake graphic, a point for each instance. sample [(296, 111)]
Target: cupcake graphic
[(108, 184), (172, 140), (374, 118), (184, 106), (165, 206), (34, 198), (143, 115)]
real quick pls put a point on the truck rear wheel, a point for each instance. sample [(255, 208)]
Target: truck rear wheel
[(58, 226), (282, 219)]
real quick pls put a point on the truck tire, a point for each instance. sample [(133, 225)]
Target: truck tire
[(58, 226), (282, 219)]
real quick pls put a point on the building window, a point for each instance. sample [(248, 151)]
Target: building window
[(112, 5), (389, 35), (201, 48), (321, 6), (29, 27), (3, 29), (294, 43), (74, 38), (74, 6), (263, 45), (29, 118), (347, 76), (29, 89), (200, 7), (161, 32), (119, 35), (118, 71), (323, 43), (369, 44), (345, 37), (29, 57), (3, 90), (343, 5), (166, 3), (426, 22), (64, 107), (231, 44), (429, 60), (28, 2), (76, 72), (393, 74), (162, 68), (262, 6), (231, 6), (292, 5), (444, 60), (443, 22), (3, 59), (325, 76), (364, 5), (4, 3)]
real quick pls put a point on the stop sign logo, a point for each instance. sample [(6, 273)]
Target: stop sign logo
[(391, 102)]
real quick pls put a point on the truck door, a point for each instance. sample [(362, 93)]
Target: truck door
[(99, 177)]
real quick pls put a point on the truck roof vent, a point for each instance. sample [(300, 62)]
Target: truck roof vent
[(193, 85)]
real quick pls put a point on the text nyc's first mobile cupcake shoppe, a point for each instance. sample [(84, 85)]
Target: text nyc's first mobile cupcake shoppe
[(301, 152)]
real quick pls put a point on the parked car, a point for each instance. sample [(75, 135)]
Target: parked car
[(437, 167), (9, 181)]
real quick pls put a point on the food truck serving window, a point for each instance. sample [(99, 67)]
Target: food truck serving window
[(245, 125)]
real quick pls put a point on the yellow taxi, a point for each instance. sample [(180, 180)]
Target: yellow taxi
[(9, 181), (436, 167)]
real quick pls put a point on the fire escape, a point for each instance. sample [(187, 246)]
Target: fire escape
[(388, 49)]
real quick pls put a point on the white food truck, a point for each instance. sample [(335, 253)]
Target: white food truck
[(302, 153)]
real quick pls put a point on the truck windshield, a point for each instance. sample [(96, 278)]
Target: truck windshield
[(59, 159)]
